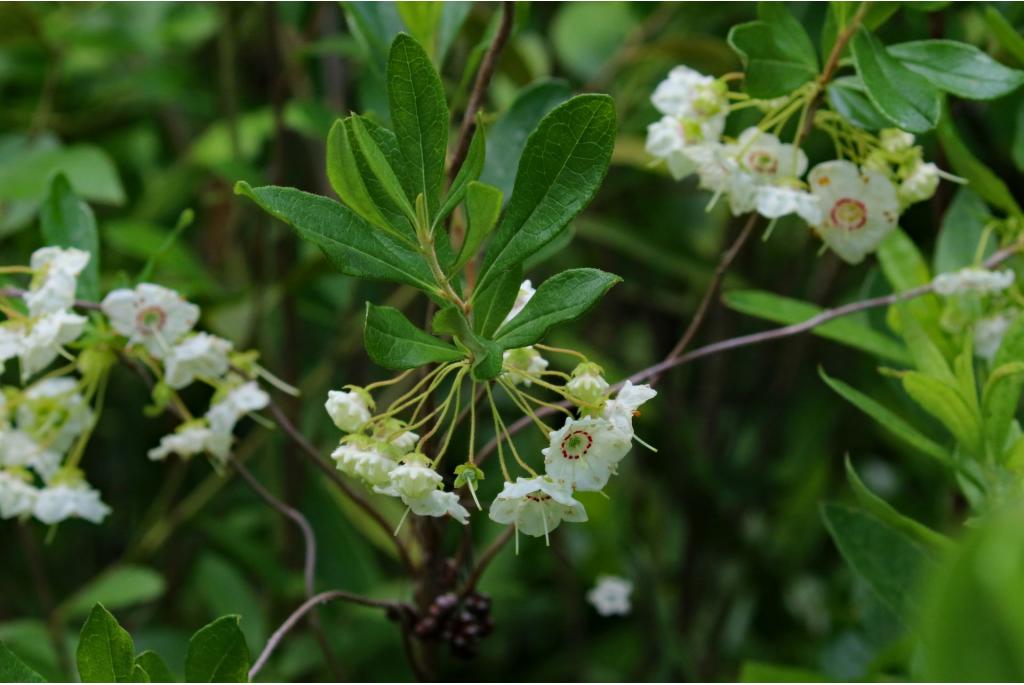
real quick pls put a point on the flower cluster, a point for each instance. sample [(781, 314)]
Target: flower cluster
[(386, 454), (852, 203), (977, 300), (45, 424)]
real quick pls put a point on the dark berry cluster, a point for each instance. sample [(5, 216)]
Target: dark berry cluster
[(462, 624)]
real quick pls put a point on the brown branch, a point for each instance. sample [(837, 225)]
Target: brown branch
[(483, 79)]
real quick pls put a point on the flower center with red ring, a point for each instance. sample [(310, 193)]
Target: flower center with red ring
[(538, 497), (762, 162), (849, 214), (576, 445), (150, 319)]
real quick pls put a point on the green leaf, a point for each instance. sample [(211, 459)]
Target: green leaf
[(351, 245), (106, 653), (345, 177), (846, 330), (507, 137), (381, 168), (905, 269), (139, 675), (982, 180), (68, 221), (777, 52), (492, 306), (419, 115), (762, 672), (848, 96), (945, 403), (483, 206), (585, 54), (904, 97), (394, 342), (469, 172), (14, 670), (561, 168), (155, 667), (563, 297), (928, 359), (487, 355), (217, 653), (1003, 388), (887, 514), (958, 68), (120, 587), (1004, 32), (889, 420), (89, 170), (421, 18), (961, 232), (888, 560)]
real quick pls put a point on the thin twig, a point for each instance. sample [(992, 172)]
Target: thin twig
[(296, 615), (483, 79)]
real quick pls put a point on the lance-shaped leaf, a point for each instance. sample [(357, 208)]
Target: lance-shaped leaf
[(468, 173), (906, 98), (14, 670), (217, 653), (492, 306), (106, 653), (777, 52), (351, 245), (1004, 386), (980, 177), (945, 403), (483, 206), (561, 168), (563, 297), (848, 96), (154, 666), (67, 221), (419, 115), (958, 68), (380, 168), (394, 342)]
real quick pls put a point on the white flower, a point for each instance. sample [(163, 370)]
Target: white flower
[(989, 332), (56, 503), (19, 449), (588, 384), (674, 140), (17, 496), (396, 435), (359, 457), (536, 506), (920, 184), (10, 344), (766, 157), (414, 478), (522, 364), (610, 596), (40, 344), (238, 402), (972, 280), (201, 354), (349, 410), (439, 503), (858, 209), (54, 410), (583, 453), (526, 292), (188, 441), (689, 94), (895, 140), (151, 315), (56, 278), (776, 201), (620, 411)]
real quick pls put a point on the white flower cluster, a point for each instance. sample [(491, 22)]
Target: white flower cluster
[(973, 280), (852, 208)]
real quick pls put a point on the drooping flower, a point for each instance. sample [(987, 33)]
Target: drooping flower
[(610, 596), (150, 315), (526, 292), (192, 439), (920, 184), (19, 449), (972, 280), (396, 435), (239, 401), (588, 384), (523, 364), (621, 410), (858, 209), (200, 354), (674, 140), (361, 457), (688, 94), (989, 332), (414, 478), (41, 341), (349, 410), (536, 506), (73, 499), (583, 453), (439, 503), (55, 280), (766, 157), (55, 412), (776, 201), (17, 494), (895, 140)]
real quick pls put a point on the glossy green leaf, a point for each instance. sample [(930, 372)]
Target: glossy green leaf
[(890, 562), (469, 172), (561, 168), (849, 97), (906, 98), (419, 116), (139, 675), (492, 306), (14, 670), (945, 403), (120, 587), (958, 68), (1005, 33), (217, 653), (778, 54), (507, 137), (483, 207), (394, 342), (563, 297), (982, 179), (351, 245), (381, 169), (67, 221), (422, 19), (846, 330), (888, 419), (487, 355), (106, 653), (887, 514), (345, 177), (155, 667)]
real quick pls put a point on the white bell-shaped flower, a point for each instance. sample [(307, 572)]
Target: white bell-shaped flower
[(688, 94), (201, 354), (588, 384), (42, 340), (362, 457), (56, 278), (583, 453), (17, 494), (56, 503), (857, 209), (536, 506), (188, 441), (414, 478), (349, 410), (150, 315), (55, 411), (523, 364), (675, 141), (239, 401), (621, 410), (396, 435), (920, 184)]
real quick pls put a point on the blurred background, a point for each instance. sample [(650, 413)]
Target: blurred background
[(157, 109)]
